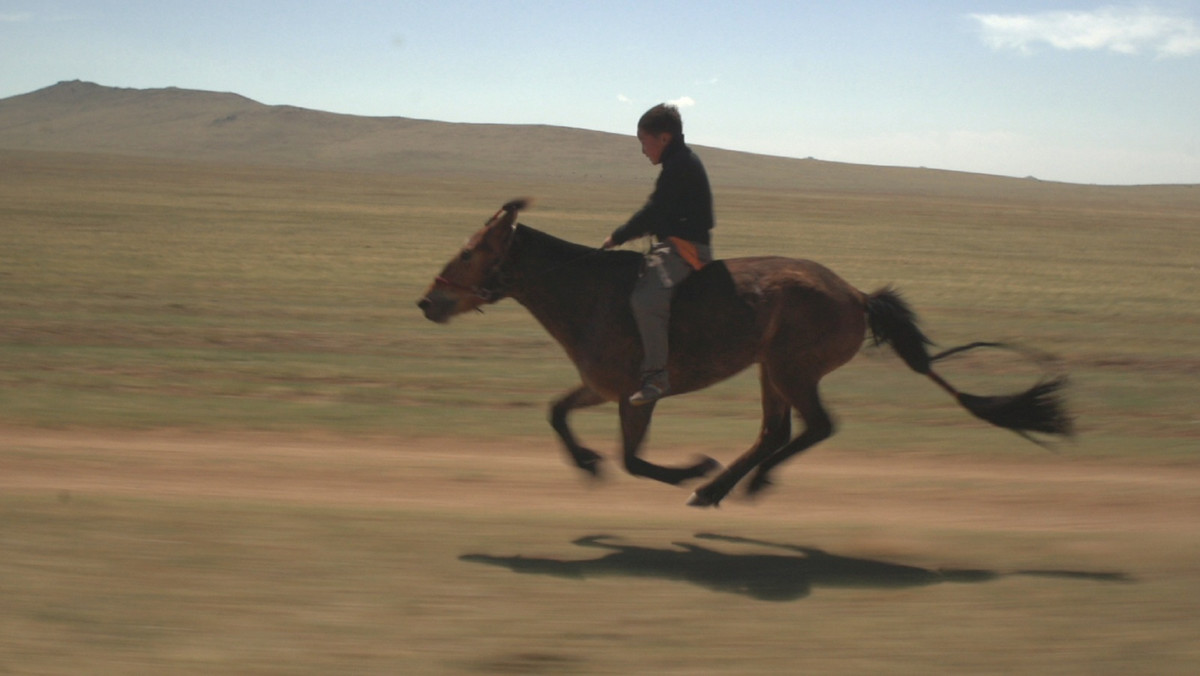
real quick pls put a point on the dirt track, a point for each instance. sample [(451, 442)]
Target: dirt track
[(1046, 492), (173, 552)]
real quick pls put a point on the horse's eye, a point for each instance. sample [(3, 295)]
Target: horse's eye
[(465, 255)]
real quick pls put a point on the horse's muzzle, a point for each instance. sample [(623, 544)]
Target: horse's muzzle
[(436, 310)]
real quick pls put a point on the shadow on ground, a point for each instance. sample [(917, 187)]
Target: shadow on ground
[(763, 576)]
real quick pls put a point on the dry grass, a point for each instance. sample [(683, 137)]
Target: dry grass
[(231, 443), (144, 293)]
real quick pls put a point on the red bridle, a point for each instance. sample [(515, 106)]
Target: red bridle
[(484, 294)]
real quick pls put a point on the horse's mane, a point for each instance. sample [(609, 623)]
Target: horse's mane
[(570, 254)]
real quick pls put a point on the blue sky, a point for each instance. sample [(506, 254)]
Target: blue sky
[(1078, 91)]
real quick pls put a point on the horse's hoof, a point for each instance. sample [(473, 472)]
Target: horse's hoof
[(703, 467), (710, 466), (592, 469), (589, 461), (699, 500)]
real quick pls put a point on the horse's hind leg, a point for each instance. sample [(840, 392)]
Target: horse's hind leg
[(635, 420), (580, 397), (818, 426), (776, 430)]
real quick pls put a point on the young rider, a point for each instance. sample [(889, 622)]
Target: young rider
[(679, 215)]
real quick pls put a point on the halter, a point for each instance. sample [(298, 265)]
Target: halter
[(483, 293)]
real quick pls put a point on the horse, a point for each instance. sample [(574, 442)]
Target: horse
[(796, 319)]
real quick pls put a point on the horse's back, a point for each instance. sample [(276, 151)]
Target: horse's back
[(755, 281), (741, 309)]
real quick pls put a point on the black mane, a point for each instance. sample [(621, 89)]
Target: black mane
[(534, 253)]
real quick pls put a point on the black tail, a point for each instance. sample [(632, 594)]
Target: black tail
[(1038, 409)]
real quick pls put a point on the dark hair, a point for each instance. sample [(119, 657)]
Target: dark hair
[(663, 118)]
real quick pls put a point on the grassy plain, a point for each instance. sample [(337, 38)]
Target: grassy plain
[(147, 294), (231, 443)]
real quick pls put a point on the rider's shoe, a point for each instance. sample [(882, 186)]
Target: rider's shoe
[(655, 386)]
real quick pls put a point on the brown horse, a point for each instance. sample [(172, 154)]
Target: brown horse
[(796, 319)]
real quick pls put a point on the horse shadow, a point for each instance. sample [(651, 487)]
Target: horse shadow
[(761, 576)]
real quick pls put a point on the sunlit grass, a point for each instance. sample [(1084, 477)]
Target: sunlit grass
[(150, 294)]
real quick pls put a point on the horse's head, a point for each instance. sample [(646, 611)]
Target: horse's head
[(472, 278)]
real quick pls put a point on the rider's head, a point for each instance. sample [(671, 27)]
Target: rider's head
[(657, 128)]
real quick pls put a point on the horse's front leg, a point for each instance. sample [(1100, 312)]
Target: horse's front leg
[(635, 420), (580, 397)]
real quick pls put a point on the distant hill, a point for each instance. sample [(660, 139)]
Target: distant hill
[(210, 126), (181, 124)]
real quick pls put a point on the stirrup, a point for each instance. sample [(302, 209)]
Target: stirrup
[(655, 386)]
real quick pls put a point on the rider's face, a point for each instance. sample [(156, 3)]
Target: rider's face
[(653, 144)]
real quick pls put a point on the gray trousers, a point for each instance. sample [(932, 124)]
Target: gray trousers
[(665, 268)]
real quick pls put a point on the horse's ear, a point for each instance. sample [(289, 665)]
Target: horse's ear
[(507, 215), (517, 205)]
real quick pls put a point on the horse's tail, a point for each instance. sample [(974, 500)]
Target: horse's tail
[(1038, 409)]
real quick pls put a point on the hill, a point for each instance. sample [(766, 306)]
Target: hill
[(171, 123), (227, 128)]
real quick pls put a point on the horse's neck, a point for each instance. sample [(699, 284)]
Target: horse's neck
[(564, 285), (535, 252)]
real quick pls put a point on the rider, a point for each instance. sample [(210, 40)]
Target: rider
[(679, 214)]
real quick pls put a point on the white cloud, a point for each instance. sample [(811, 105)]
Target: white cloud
[(621, 98), (1122, 30), (683, 102)]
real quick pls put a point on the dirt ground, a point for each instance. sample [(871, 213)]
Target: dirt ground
[(206, 553), (1052, 491)]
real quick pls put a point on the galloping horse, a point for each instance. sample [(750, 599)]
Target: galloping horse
[(795, 318)]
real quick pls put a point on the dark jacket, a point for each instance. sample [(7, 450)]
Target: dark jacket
[(681, 205)]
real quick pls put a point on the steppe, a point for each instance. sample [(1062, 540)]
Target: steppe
[(229, 442)]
